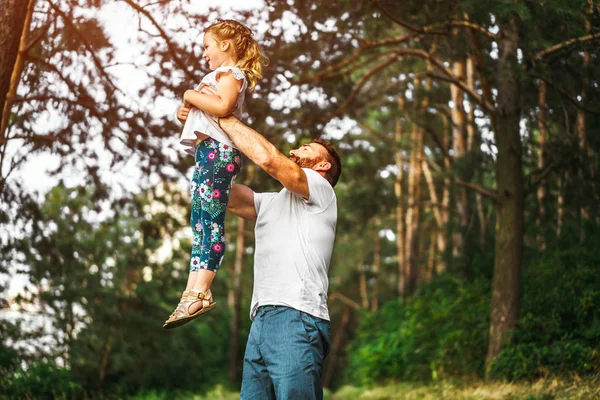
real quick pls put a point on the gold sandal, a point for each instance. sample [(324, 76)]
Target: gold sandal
[(182, 316), (180, 306)]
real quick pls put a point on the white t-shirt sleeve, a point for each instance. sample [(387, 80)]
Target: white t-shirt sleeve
[(320, 191), (261, 199)]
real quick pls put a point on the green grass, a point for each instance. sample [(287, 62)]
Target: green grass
[(543, 389), (574, 388)]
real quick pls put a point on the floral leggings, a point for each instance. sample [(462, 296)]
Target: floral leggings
[(217, 165)]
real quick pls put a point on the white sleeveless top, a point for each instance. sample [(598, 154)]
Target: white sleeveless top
[(201, 122)]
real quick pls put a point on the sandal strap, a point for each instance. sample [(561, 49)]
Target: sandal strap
[(196, 296), (199, 295)]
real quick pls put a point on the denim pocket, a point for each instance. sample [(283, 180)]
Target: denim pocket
[(317, 330)]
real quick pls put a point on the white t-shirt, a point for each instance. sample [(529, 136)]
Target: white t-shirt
[(198, 120), (294, 242)]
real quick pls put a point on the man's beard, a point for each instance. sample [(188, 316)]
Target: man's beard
[(304, 162)]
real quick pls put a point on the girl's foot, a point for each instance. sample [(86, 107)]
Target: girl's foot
[(195, 304), (180, 306)]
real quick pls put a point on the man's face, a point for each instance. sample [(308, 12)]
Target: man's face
[(308, 155)]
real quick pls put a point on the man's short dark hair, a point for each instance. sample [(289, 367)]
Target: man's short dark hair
[(333, 158)]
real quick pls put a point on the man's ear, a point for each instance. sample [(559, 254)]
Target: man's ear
[(323, 166)]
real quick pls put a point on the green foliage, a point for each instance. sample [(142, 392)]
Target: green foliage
[(440, 332), (44, 380), (559, 327), (105, 296)]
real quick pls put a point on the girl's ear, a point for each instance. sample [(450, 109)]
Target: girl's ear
[(224, 45)]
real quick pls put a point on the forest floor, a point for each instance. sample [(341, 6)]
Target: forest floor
[(542, 389)]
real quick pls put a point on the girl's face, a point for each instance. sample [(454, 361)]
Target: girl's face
[(213, 51)]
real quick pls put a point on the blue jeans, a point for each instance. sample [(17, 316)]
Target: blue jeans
[(284, 355)]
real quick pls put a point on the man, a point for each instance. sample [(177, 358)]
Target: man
[(294, 235), (295, 232)]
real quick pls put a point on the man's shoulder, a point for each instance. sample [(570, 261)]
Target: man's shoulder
[(316, 178)]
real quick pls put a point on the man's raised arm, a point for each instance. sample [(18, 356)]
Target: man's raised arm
[(264, 154)]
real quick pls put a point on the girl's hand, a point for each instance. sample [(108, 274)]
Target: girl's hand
[(208, 90), (183, 112)]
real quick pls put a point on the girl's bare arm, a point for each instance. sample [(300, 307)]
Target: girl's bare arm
[(223, 102)]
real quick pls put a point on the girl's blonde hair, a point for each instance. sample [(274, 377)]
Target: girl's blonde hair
[(250, 58)]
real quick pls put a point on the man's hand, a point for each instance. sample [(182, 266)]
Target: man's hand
[(183, 112)]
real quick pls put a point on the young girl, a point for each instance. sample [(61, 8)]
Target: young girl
[(236, 62)]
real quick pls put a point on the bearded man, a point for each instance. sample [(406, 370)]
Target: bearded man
[(294, 236)]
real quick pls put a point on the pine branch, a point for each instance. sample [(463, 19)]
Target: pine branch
[(477, 188), (87, 45), (344, 299), (375, 132), (569, 97), (396, 19), (448, 76), (473, 186), (467, 24), (434, 29), (361, 83), (163, 34), (565, 44), (90, 106), (542, 175)]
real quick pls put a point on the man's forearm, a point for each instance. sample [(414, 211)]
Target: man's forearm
[(254, 145), (266, 156)]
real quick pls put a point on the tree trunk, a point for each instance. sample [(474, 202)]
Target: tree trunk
[(560, 202), (376, 266), (581, 134), (508, 252), (234, 296), (400, 208), (482, 219), (364, 296), (473, 139), (542, 188), (443, 231), (459, 148), (413, 213), (336, 347), (15, 19), (106, 353), (433, 262)]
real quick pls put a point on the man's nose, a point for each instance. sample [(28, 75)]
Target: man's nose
[(292, 152)]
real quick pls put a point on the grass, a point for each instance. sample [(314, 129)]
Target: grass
[(543, 389), (574, 388)]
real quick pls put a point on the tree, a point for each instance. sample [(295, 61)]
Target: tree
[(12, 20), (390, 43)]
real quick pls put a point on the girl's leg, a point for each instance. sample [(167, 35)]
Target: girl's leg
[(198, 234), (196, 224), (212, 162), (222, 164)]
